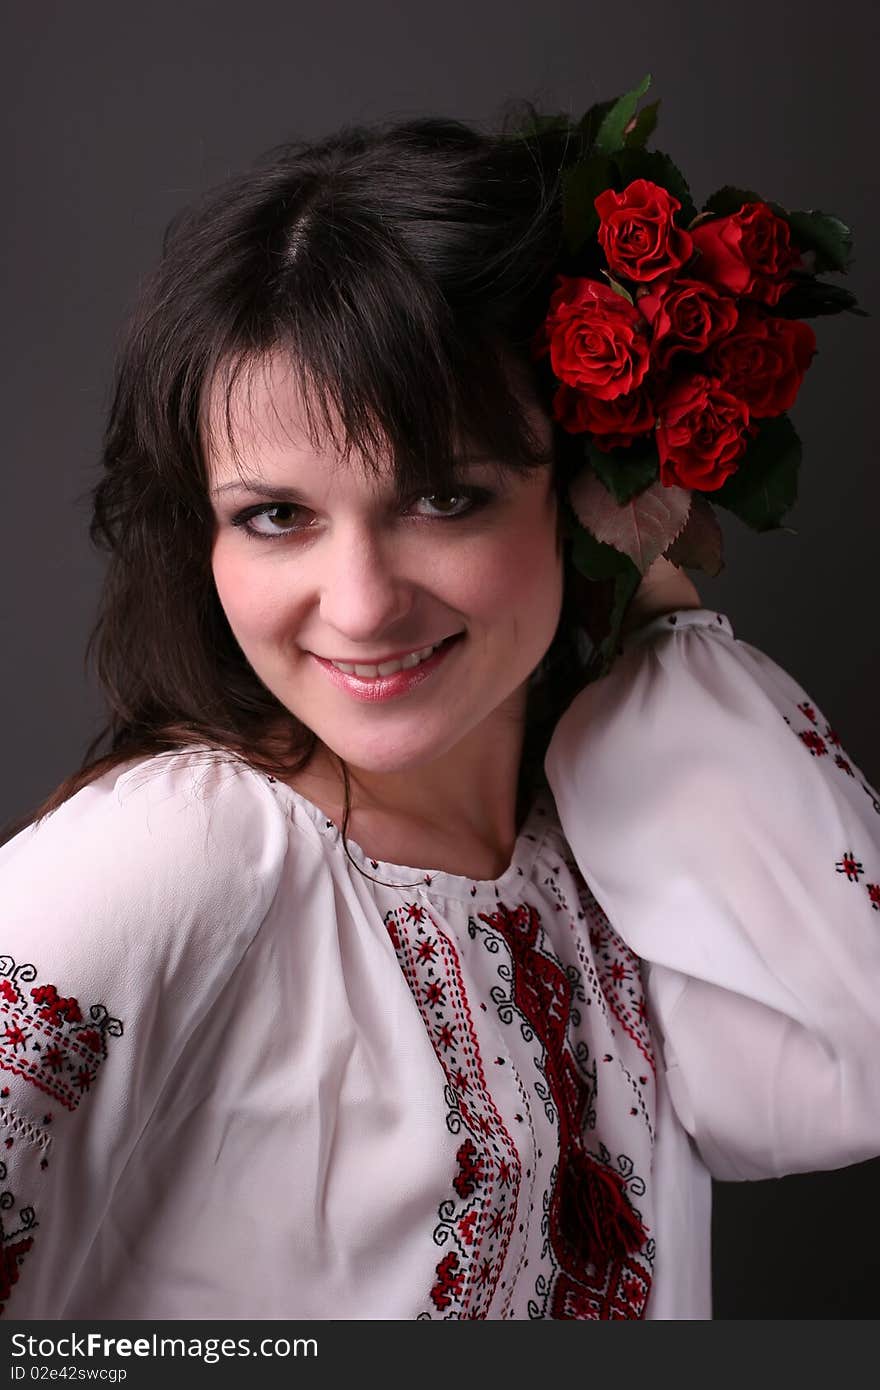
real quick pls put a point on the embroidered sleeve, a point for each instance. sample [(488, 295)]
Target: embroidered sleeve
[(735, 846), (52, 1053), (124, 914)]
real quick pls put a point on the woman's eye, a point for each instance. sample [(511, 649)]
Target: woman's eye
[(246, 520), (453, 504), (463, 502)]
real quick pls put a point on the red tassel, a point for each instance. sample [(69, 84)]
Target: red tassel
[(595, 1214)]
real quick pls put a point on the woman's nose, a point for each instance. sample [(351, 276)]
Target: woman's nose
[(363, 593)]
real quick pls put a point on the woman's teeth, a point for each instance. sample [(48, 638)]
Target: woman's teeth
[(387, 668)]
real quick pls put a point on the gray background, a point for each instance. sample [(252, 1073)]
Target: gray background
[(119, 115)]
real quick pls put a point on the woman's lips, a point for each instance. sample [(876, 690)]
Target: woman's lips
[(383, 660), (371, 689)]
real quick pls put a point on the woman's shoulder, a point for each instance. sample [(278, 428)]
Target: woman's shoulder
[(168, 864), (178, 813), (126, 912)]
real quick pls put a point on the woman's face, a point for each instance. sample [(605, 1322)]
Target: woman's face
[(340, 570)]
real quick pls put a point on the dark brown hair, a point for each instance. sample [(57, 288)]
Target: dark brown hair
[(404, 268)]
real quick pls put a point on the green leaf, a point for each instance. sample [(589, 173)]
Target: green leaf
[(764, 486), (618, 288), (622, 591), (525, 122), (581, 185), (658, 168), (644, 127), (728, 200), (596, 560), (701, 544), (610, 136), (809, 299), (825, 234), (613, 579), (641, 528), (625, 587), (591, 121), (626, 472)]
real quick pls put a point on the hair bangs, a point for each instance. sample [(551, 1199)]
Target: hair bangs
[(384, 367)]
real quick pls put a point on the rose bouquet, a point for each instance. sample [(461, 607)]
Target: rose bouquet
[(673, 347)]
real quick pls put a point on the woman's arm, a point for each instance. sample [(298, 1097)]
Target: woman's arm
[(664, 588), (735, 847), (124, 915)]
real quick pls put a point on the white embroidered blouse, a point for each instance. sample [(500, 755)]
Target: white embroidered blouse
[(238, 1079)]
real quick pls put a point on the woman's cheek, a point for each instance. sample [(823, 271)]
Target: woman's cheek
[(251, 596), (530, 562)]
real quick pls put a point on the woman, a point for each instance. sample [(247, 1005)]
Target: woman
[(255, 1063)]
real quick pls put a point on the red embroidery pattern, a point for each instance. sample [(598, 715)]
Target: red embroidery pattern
[(614, 972), (15, 1240), (44, 1038), (818, 746), (477, 1224), (854, 869), (848, 864), (596, 1257), (596, 1234)]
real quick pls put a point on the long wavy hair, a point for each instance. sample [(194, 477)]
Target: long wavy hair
[(403, 267)]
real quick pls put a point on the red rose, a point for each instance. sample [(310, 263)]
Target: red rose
[(595, 337), (613, 424), (748, 253), (637, 231), (763, 361), (701, 432), (686, 316)]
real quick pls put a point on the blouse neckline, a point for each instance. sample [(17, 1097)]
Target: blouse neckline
[(677, 621), (438, 882)]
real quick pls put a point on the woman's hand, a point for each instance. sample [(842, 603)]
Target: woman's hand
[(664, 588)]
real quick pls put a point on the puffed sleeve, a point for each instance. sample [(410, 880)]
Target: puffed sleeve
[(735, 847), (124, 913)]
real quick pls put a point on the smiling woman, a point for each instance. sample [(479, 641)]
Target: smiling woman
[(339, 305), (593, 941), (403, 632)]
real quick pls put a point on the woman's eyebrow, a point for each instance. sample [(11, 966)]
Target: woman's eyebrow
[(261, 488)]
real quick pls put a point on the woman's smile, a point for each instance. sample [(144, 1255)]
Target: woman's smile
[(382, 665), (388, 680), (389, 624)]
